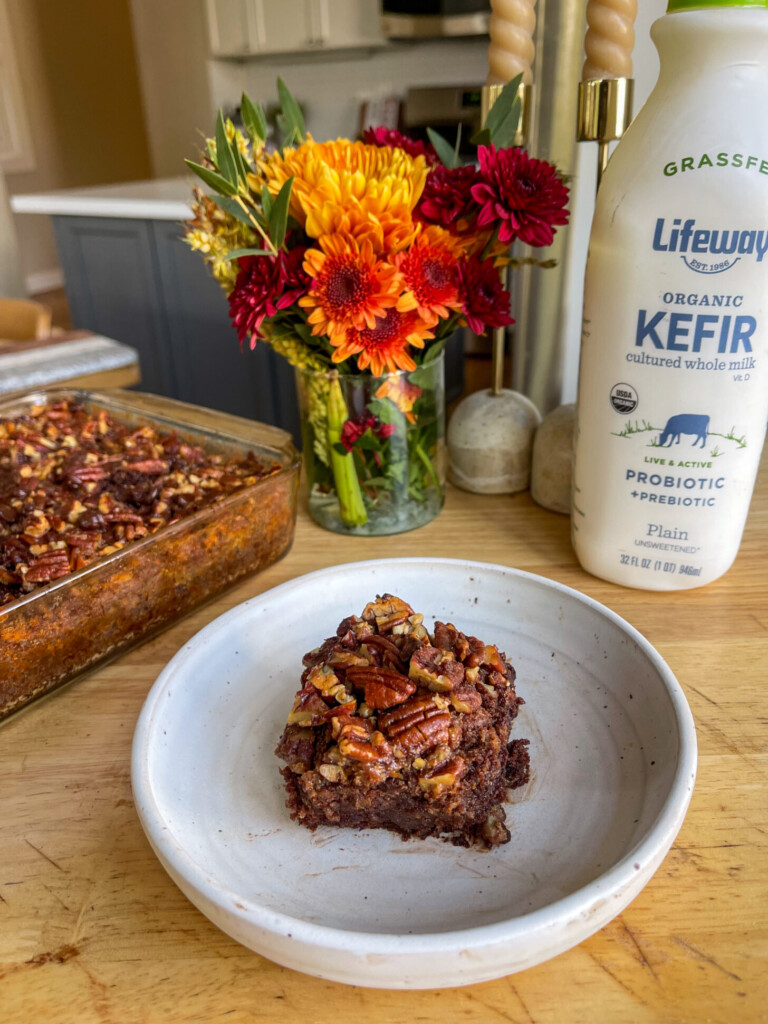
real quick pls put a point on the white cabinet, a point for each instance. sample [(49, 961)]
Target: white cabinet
[(241, 28), (228, 29)]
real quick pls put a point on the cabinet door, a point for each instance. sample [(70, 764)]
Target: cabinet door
[(282, 26), (229, 28), (211, 368), (347, 23), (113, 290)]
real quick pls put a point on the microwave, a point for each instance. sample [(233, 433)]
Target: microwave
[(425, 19)]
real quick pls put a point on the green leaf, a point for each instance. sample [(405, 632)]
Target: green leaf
[(266, 201), (278, 216), (444, 149), (434, 351), (212, 179), (234, 209), (456, 157), (237, 253), (294, 119), (504, 135), (243, 170), (503, 109), (481, 138), (368, 442), (253, 118), (224, 156)]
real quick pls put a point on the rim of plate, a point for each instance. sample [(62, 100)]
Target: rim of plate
[(616, 880)]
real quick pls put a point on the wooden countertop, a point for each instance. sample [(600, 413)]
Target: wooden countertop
[(93, 930)]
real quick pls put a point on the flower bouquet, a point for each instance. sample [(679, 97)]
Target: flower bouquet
[(356, 261)]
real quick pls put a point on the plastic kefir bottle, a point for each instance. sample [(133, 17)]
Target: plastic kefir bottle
[(673, 379)]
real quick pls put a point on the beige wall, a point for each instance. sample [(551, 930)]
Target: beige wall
[(172, 51), (78, 72)]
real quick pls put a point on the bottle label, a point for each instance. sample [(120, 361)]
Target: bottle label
[(672, 400)]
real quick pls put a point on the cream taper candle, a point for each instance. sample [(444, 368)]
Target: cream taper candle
[(610, 39), (511, 49)]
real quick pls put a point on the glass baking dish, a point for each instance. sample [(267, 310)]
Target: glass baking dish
[(53, 634)]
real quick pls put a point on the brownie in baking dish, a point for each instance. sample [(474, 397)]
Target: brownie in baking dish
[(77, 484), (399, 729)]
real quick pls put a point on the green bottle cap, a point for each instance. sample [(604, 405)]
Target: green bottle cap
[(689, 5)]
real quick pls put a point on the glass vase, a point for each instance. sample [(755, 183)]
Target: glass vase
[(374, 448)]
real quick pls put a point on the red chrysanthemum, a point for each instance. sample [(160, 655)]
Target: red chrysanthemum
[(525, 197), (385, 346), (485, 300), (353, 430), (264, 286), (430, 273), (447, 198), (383, 136)]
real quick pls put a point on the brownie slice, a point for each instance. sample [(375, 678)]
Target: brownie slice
[(395, 728)]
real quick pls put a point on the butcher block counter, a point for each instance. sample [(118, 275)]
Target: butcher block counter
[(92, 929)]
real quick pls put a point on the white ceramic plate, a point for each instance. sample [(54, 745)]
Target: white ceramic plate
[(613, 753)]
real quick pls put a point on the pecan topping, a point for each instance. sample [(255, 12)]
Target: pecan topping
[(65, 471)]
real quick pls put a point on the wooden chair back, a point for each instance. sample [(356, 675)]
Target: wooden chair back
[(23, 320)]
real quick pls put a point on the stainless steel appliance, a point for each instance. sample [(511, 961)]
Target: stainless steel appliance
[(403, 19)]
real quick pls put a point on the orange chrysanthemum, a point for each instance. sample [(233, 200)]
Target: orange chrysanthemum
[(405, 395), (366, 192), (430, 272), (385, 346), (350, 286)]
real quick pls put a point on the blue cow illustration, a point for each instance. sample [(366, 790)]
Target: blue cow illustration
[(685, 423)]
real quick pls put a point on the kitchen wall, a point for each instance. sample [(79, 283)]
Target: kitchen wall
[(171, 38), (78, 74)]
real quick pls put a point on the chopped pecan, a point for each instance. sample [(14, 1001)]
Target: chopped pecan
[(476, 652), (448, 638), (437, 670), (386, 647), (386, 611), (383, 687), (417, 725), (493, 659), (342, 657), (324, 679), (439, 779), (358, 742)]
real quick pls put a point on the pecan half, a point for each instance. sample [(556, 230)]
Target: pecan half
[(383, 687), (417, 725), (50, 566), (150, 467)]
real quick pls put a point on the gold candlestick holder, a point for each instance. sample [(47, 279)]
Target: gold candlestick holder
[(604, 114), (489, 95)]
